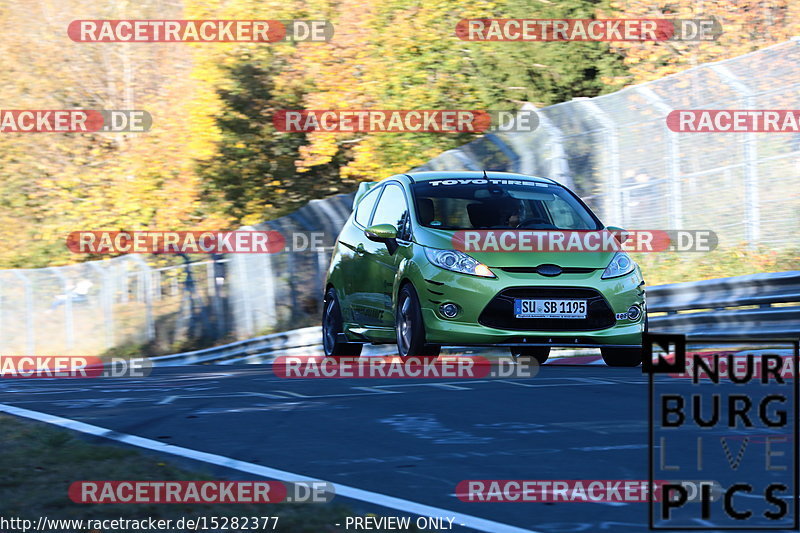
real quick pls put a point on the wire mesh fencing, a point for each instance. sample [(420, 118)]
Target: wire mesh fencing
[(167, 303), (615, 151), (130, 303)]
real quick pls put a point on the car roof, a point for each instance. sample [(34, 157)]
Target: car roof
[(470, 174)]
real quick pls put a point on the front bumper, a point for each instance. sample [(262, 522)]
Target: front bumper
[(481, 321)]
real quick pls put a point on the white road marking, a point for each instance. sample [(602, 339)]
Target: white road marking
[(295, 394), (376, 390), (594, 381), (383, 500), (167, 400), (423, 384), (265, 395), (538, 383), (447, 386), (466, 495)]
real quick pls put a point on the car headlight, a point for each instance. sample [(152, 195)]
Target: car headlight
[(620, 265), (457, 261)]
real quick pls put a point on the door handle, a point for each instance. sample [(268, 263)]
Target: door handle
[(360, 249)]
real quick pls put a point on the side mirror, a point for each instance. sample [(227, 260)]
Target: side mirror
[(385, 233), (620, 234)]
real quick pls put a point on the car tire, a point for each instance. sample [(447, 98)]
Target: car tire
[(409, 326), (622, 356), (332, 326), (540, 353)]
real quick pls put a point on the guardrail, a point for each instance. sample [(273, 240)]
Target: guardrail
[(759, 305), (264, 346)]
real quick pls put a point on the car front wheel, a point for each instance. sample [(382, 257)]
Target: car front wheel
[(622, 356), (410, 327)]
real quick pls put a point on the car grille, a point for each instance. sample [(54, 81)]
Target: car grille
[(532, 270), (499, 313)]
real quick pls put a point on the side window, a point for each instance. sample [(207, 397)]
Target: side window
[(392, 209), (364, 209)]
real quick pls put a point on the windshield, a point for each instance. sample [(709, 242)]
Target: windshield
[(460, 204)]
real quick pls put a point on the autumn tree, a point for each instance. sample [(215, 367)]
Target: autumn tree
[(747, 25)]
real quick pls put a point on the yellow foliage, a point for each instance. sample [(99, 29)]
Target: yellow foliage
[(747, 25)]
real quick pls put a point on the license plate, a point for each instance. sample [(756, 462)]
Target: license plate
[(526, 308)]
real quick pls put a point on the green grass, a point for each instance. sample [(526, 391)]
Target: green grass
[(39, 462)]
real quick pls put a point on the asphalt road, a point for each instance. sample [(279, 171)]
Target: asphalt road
[(411, 439)]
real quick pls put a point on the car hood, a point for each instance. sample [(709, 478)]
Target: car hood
[(443, 239)]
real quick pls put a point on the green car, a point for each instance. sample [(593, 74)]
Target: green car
[(400, 272)]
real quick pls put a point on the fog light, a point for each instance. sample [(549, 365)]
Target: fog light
[(634, 312), (448, 310)]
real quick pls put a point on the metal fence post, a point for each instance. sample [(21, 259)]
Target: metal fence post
[(141, 283), (145, 291), (30, 334), (673, 158), (107, 301), (217, 265), (121, 280), (68, 331), (751, 200), (559, 166), (210, 276), (245, 293), (292, 282), (613, 182), (244, 318), (526, 160), (269, 290), (157, 285)]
